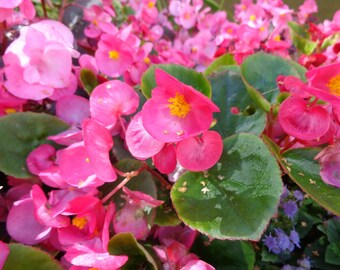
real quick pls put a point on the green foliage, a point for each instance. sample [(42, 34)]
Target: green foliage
[(301, 167), (23, 257), (88, 79), (237, 197), (126, 244), (20, 133), (229, 91), (301, 38)]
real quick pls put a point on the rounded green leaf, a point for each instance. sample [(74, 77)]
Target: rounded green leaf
[(126, 244), (259, 72), (183, 74), (20, 133), (220, 62), (228, 90), (300, 165), (237, 197), (23, 257)]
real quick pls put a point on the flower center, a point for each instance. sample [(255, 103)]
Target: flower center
[(178, 106), (252, 17), (79, 222), (114, 55), (334, 85), (151, 4)]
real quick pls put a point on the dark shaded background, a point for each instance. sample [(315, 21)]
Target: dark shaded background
[(326, 7)]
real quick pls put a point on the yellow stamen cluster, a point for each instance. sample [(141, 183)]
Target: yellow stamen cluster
[(178, 106), (114, 55), (252, 17), (151, 4), (334, 85), (79, 222)]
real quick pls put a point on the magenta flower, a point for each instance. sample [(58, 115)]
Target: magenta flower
[(112, 99), (114, 56), (324, 83), (4, 251), (302, 121), (176, 111), (200, 153), (41, 158), (329, 159)]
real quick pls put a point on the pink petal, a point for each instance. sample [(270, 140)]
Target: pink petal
[(301, 121), (142, 199), (165, 160), (40, 158), (98, 142), (197, 264), (73, 109), (4, 251), (112, 99), (140, 143), (200, 153), (22, 225)]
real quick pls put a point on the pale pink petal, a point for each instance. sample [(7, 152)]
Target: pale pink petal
[(22, 225), (140, 143), (73, 109)]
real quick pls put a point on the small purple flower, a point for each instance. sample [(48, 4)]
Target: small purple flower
[(295, 238), (272, 245), (283, 240), (298, 195), (290, 208), (305, 263)]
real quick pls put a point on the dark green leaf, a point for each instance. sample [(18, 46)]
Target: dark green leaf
[(300, 165), (126, 244), (225, 254), (230, 91), (23, 257), (333, 230), (20, 133), (332, 254), (259, 72), (237, 197)]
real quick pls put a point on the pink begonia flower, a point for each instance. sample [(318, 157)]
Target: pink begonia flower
[(166, 160), (176, 111), (98, 142), (44, 212), (112, 99), (73, 109), (200, 153), (308, 7), (197, 264), (324, 83), (302, 121), (7, 8), (4, 252), (329, 159), (100, 21), (41, 158), (293, 85), (8, 102), (135, 215), (67, 137), (93, 251), (22, 225), (114, 55), (40, 60), (139, 142)]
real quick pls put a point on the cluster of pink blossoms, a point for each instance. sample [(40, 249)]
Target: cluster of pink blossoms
[(43, 65)]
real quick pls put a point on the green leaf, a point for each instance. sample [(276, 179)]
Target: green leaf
[(300, 165), (143, 182), (225, 254), (220, 62), (259, 72), (126, 244), (212, 4), (237, 197), (88, 79), (332, 254), (183, 74), (301, 38), (330, 40), (23, 257), (20, 133), (230, 91), (333, 230)]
